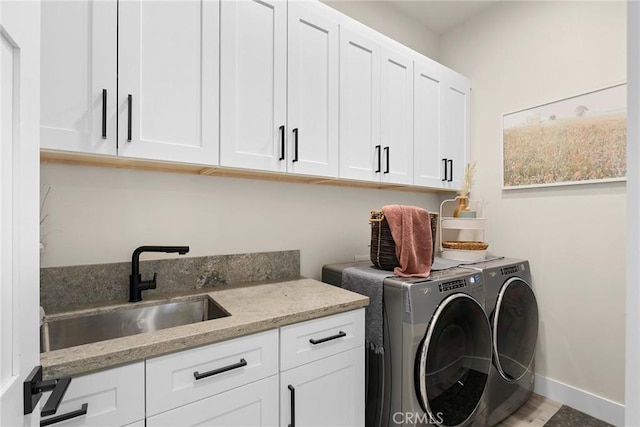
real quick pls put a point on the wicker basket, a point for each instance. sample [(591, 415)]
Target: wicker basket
[(383, 248), (466, 246)]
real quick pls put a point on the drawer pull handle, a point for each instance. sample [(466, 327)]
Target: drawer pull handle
[(293, 405), (332, 337), (65, 417), (200, 376)]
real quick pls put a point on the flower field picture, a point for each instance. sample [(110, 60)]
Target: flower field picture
[(573, 140)]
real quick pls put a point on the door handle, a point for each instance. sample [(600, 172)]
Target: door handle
[(104, 114), (282, 148), (445, 169), (129, 117), (293, 405), (450, 170), (379, 154), (386, 149), (33, 387), (295, 145)]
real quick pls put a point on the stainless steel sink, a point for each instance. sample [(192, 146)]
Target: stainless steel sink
[(70, 332)]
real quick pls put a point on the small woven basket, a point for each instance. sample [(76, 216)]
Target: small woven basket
[(383, 248), (465, 246)]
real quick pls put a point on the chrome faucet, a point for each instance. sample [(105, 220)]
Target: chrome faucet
[(136, 284)]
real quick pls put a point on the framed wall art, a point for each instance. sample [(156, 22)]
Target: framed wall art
[(576, 140)]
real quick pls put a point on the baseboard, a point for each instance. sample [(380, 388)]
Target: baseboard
[(584, 401)]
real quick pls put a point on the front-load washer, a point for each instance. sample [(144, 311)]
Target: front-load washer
[(513, 314), (437, 351)]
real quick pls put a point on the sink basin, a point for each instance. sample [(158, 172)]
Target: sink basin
[(70, 332)]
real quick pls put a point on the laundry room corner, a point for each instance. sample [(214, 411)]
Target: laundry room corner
[(574, 236)]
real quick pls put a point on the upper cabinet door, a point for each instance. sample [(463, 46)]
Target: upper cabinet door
[(397, 118), (78, 79), (456, 110), (253, 94), (428, 157), (313, 89), (168, 80), (360, 149)]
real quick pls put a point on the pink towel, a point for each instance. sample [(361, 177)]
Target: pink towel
[(411, 230)]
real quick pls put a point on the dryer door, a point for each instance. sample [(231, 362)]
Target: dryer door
[(515, 329), (453, 361)]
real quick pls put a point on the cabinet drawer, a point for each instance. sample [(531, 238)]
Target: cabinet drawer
[(318, 338), (114, 397), (254, 404), (171, 379)]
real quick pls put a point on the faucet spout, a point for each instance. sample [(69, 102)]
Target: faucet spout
[(136, 284)]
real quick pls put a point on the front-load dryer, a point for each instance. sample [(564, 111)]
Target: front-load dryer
[(437, 351), (513, 314)]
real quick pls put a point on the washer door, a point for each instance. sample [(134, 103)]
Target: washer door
[(515, 329), (453, 361)]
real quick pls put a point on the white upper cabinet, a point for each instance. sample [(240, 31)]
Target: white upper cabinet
[(429, 157), (376, 109), (442, 115), (312, 89), (289, 86), (397, 118), (456, 117), (164, 56), (168, 80), (78, 78), (253, 82), (360, 147)]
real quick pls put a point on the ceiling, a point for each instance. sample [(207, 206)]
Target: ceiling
[(441, 15)]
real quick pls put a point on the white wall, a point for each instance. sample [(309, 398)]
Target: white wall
[(391, 22), (522, 54), (632, 389), (100, 215)]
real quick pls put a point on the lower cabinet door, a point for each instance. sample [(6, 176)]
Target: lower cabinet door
[(111, 398), (254, 404), (327, 392)]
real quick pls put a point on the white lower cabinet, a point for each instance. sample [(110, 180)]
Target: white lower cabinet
[(328, 392), (254, 404), (322, 371), (181, 378), (114, 397), (313, 370)]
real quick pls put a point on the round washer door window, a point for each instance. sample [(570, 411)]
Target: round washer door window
[(453, 361), (515, 329)]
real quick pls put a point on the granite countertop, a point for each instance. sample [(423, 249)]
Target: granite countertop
[(254, 308)]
